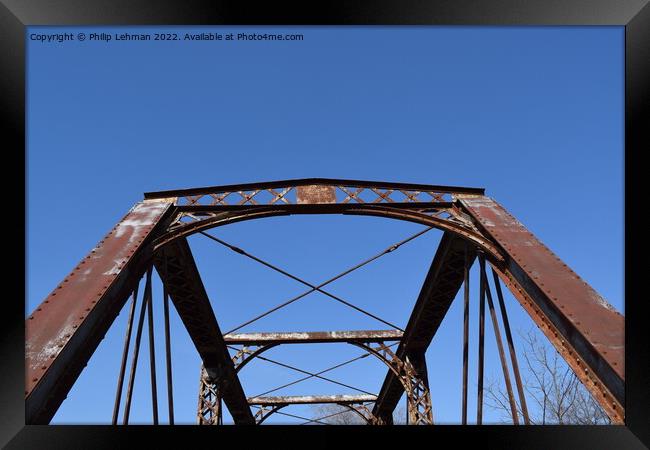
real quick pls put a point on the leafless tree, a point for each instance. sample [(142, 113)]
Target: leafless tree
[(558, 396), (334, 414), (399, 416)]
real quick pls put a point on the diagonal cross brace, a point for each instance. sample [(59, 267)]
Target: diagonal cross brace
[(177, 269), (313, 287)]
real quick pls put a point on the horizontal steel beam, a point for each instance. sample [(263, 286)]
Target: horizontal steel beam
[(177, 268), (312, 337), (311, 399), (310, 182), (314, 208)]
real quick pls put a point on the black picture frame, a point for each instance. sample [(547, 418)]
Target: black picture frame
[(634, 15)]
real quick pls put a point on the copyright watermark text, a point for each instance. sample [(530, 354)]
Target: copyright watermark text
[(106, 37)]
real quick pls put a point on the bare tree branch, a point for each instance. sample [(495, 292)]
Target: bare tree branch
[(555, 389), (334, 414)]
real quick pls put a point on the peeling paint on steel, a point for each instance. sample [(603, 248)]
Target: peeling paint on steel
[(582, 317), (148, 213), (310, 399), (602, 302), (534, 258), (117, 266), (315, 194), (313, 336), (61, 315)]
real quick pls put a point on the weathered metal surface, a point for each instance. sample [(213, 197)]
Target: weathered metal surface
[(418, 404), (64, 330), (446, 219), (176, 267), (597, 389), (209, 411), (315, 208), (298, 337), (315, 194), (283, 192), (440, 287), (270, 405), (67, 327), (418, 398), (310, 399), (586, 330)]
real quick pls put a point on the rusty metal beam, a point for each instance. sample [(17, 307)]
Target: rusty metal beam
[(582, 326), (67, 327), (315, 208), (311, 399), (311, 182), (312, 337), (451, 220), (176, 267), (440, 287), (64, 331)]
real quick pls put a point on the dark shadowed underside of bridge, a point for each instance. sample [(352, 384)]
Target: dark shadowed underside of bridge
[(65, 330)]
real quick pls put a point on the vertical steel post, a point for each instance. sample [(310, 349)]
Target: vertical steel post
[(125, 355), (502, 355), (481, 342), (152, 352), (136, 351), (465, 335), (511, 348), (168, 357)]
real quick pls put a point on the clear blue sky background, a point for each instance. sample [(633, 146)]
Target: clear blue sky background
[(534, 115)]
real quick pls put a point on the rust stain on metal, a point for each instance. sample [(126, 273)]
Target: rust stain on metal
[(556, 280), (313, 337), (311, 399), (594, 329), (66, 328), (314, 194), (608, 402), (56, 321)]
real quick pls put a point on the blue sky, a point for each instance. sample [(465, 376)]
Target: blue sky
[(534, 115)]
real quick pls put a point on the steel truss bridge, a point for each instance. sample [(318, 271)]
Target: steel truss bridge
[(66, 328)]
